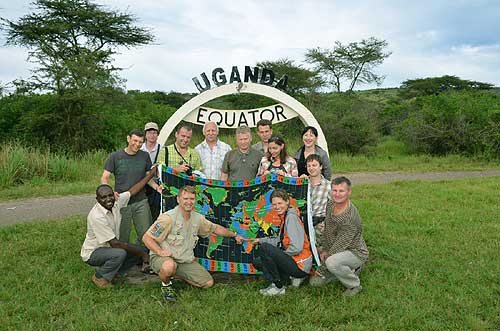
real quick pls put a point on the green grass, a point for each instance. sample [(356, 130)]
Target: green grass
[(433, 266), (392, 155)]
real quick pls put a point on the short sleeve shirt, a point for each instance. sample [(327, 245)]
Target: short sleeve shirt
[(174, 159), (241, 166), (103, 225), (171, 231), (128, 170), (211, 159)]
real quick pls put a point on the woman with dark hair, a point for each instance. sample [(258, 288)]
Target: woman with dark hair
[(310, 137), (276, 160), (286, 255)]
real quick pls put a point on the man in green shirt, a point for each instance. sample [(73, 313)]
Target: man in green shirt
[(179, 155), (242, 162)]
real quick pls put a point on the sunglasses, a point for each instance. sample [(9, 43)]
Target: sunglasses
[(276, 139)]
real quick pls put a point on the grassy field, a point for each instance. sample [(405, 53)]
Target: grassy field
[(433, 247)]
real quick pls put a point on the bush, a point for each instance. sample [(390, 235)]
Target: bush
[(349, 122), (464, 122)]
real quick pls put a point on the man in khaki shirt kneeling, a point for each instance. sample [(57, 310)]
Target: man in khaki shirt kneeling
[(172, 238)]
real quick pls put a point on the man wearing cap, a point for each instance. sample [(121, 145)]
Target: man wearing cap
[(212, 151), (152, 147)]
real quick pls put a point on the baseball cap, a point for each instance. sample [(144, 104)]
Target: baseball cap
[(151, 126)]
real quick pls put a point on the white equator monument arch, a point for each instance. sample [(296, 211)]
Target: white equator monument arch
[(271, 92)]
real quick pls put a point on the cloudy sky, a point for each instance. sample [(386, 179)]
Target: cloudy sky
[(426, 38)]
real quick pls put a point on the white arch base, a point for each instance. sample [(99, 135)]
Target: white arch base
[(273, 93)]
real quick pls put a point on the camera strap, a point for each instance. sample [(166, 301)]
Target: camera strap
[(175, 147)]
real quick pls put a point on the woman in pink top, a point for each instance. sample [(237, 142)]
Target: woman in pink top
[(277, 160)]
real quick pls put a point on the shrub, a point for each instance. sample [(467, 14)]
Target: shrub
[(458, 122)]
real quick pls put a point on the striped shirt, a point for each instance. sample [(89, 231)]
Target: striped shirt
[(344, 232), (211, 159)]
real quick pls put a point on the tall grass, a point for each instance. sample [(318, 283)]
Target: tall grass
[(27, 165)]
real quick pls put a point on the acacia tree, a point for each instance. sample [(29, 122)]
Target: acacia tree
[(353, 62), (73, 42), (300, 79)]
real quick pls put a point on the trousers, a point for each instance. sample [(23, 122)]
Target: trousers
[(276, 265), (139, 215), (342, 265), (111, 261)]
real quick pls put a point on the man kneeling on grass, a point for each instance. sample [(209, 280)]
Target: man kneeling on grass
[(102, 247), (343, 248), (172, 238)]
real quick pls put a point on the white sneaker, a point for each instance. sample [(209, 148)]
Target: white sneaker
[(297, 281), (273, 290), (264, 290)]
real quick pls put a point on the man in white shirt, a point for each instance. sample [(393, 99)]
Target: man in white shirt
[(102, 247), (212, 151)]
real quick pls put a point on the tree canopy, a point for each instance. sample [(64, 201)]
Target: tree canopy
[(300, 79), (73, 42), (354, 62), (435, 85)]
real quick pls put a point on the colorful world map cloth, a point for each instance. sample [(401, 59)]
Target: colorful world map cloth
[(241, 206)]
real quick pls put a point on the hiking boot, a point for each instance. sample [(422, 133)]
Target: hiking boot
[(101, 282), (273, 290), (322, 280), (295, 282), (350, 292), (168, 293)]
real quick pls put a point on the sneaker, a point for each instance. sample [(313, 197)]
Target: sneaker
[(296, 281), (273, 290), (350, 292), (168, 293), (101, 282), (264, 290), (322, 280)]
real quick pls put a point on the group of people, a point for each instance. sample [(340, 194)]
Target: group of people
[(165, 241)]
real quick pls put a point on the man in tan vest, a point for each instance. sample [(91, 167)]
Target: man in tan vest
[(172, 238)]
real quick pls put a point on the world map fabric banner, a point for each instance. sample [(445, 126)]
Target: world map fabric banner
[(241, 206)]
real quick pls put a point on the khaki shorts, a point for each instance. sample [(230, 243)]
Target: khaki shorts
[(191, 271)]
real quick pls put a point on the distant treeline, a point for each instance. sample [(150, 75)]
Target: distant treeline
[(436, 118)]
